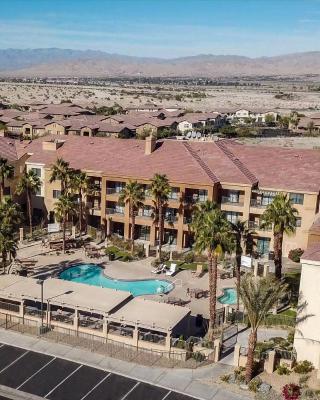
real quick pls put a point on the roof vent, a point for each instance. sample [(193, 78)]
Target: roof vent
[(52, 145), (150, 145)]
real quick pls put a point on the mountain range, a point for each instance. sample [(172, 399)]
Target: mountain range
[(54, 62)]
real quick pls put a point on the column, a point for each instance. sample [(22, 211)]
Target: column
[(180, 243), (217, 349), (21, 309), (152, 235), (246, 204), (135, 336), (76, 319), (103, 199), (168, 341), (236, 355)]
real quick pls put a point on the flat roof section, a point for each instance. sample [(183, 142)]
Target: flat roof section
[(63, 293), (151, 314)]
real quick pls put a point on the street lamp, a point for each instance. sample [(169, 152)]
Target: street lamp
[(40, 282)]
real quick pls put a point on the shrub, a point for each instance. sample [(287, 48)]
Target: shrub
[(254, 384), (295, 255), (165, 256), (189, 257), (303, 380), (225, 378), (198, 356), (111, 250), (239, 374), (283, 370), (303, 367), (291, 391)]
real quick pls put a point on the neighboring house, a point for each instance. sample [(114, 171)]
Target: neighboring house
[(258, 116), (307, 334), (311, 123)]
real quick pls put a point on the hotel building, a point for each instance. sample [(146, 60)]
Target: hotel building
[(242, 179)]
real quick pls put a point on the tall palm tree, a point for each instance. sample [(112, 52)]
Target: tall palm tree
[(64, 208), (160, 190), (133, 195), (212, 235), (80, 184), (61, 172), (241, 233), (6, 172), (30, 184), (282, 215), (10, 215), (8, 246), (258, 295)]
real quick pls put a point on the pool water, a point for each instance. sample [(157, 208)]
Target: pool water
[(229, 296), (92, 274)]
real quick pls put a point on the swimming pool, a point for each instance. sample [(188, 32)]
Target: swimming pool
[(92, 274), (229, 296)]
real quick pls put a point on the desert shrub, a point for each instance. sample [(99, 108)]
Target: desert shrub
[(225, 378), (303, 367), (189, 257), (295, 255), (198, 356), (283, 370), (310, 394), (239, 374), (303, 380), (291, 391), (254, 384), (165, 256), (111, 250)]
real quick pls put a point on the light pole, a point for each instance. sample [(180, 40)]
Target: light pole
[(40, 282)]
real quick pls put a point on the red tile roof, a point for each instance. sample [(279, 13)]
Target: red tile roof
[(189, 162)]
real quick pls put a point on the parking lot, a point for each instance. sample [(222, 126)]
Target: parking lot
[(59, 379)]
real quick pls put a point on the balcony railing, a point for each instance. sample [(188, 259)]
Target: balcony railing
[(114, 211), (257, 225), (195, 199), (112, 190), (257, 203), (140, 215), (171, 218), (231, 201)]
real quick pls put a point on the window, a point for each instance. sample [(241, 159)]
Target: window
[(263, 245), (267, 199), (174, 193), (298, 222), (233, 196), (37, 171), (56, 194), (232, 216), (296, 198), (203, 195)]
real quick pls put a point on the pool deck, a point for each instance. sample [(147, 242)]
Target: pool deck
[(50, 263)]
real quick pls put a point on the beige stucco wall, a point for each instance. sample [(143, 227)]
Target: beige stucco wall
[(55, 129), (307, 335)]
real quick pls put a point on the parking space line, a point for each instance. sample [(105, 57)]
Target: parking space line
[(30, 377), (166, 395), (99, 383), (131, 390), (63, 380), (13, 362)]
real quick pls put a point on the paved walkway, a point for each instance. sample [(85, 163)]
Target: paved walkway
[(189, 382)]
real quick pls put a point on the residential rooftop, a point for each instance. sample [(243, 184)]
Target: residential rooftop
[(203, 163)]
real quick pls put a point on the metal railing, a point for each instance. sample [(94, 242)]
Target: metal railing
[(114, 211), (257, 203), (173, 358)]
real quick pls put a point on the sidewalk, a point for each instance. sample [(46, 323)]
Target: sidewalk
[(186, 381)]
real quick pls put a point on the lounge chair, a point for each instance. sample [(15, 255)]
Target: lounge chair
[(157, 270), (199, 272), (172, 270)]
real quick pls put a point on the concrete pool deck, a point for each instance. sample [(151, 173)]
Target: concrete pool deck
[(49, 263)]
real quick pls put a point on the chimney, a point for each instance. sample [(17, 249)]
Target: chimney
[(150, 145), (52, 145)]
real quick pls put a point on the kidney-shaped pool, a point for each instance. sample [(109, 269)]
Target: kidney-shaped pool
[(93, 274)]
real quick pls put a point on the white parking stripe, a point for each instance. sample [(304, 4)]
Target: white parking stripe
[(131, 390), (63, 380), (166, 395), (30, 377), (13, 362), (99, 383)]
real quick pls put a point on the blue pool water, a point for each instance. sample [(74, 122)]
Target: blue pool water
[(229, 296), (92, 274)]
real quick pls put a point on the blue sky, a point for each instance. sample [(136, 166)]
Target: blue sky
[(163, 28)]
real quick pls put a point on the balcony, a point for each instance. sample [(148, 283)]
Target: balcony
[(113, 190), (195, 199), (257, 203), (115, 211), (256, 226), (171, 218), (231, 201), (146, 216)]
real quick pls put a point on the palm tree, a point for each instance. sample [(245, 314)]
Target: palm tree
[(64, 208), (212, 235), (61, 172), (133, 195), (282, 215), (6, 172), (80, 183), (241, 233), (10, 214), (30, 184), (160, 190), (258, 295), (8, 246)]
